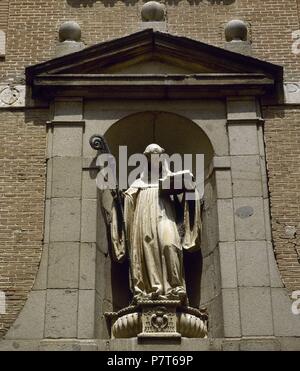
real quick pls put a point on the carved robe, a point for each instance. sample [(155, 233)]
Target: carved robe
[(158, 228)]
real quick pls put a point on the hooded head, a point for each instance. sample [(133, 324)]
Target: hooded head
[(152, 149), (155, 168)]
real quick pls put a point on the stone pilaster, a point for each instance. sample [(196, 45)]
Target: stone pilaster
[(61, 304), (248, 265)]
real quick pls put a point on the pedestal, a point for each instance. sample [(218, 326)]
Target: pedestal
[(163, 319), (159, 320)]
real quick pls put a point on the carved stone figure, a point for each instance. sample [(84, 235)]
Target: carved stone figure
[(159, 227), (161, 218)]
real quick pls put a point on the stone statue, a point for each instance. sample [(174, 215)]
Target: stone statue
[(158, 222), (159, 227)]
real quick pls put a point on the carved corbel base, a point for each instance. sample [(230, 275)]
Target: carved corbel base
[(162, 319)]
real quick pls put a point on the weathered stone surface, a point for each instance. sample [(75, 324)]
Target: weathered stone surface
[(216, 131), (292, 92), (223, 183), (12, 96), (242, 47), (268, 231), (86, 314), (241, 108), (221, 162), (210, 233), (228, 265), (87, 266), (157, 26), (246, 176), (290, 231), (216, 321), (49, 178), (89, 220), (264, 177), (65, 345), (153, 11), (63, 269), (67, 140), (226, 223), (68, 109), (49, 148), (249, 219), (61, 314), (216, 344), (41, 278), (19, 345), (209, 281), (69, 30), (261, 141), (89, 188), (252, 263), (47, 218), (275, 278), (262, 345), (236, 30), (68, 47), (256, 311), (243, 139), (231, 346), (30, 322), (231, 314), (132, 344), (66, 177), (290, 344), (216, 257), (65, 220)]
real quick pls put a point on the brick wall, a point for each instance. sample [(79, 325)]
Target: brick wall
[(22, 183), (282, 136), (271, 24), (32, 27), (4, 14), (31, 37)]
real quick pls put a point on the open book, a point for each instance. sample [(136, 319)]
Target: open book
[(177, 182)]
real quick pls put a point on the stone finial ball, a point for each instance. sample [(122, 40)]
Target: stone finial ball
[(236, 30), (153, 11), (70, 31)]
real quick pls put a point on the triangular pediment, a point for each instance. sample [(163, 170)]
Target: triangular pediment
[(152, 64), (145, 50)]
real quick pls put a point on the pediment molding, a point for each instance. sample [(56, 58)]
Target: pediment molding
[(153, 58)]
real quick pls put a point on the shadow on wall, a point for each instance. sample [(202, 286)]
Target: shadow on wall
[(111, 3)]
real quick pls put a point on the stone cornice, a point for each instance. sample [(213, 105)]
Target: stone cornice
[(245, 121), (65, 123), (152, 86)]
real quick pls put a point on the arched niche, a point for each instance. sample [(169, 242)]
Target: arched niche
[(176, 134)]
